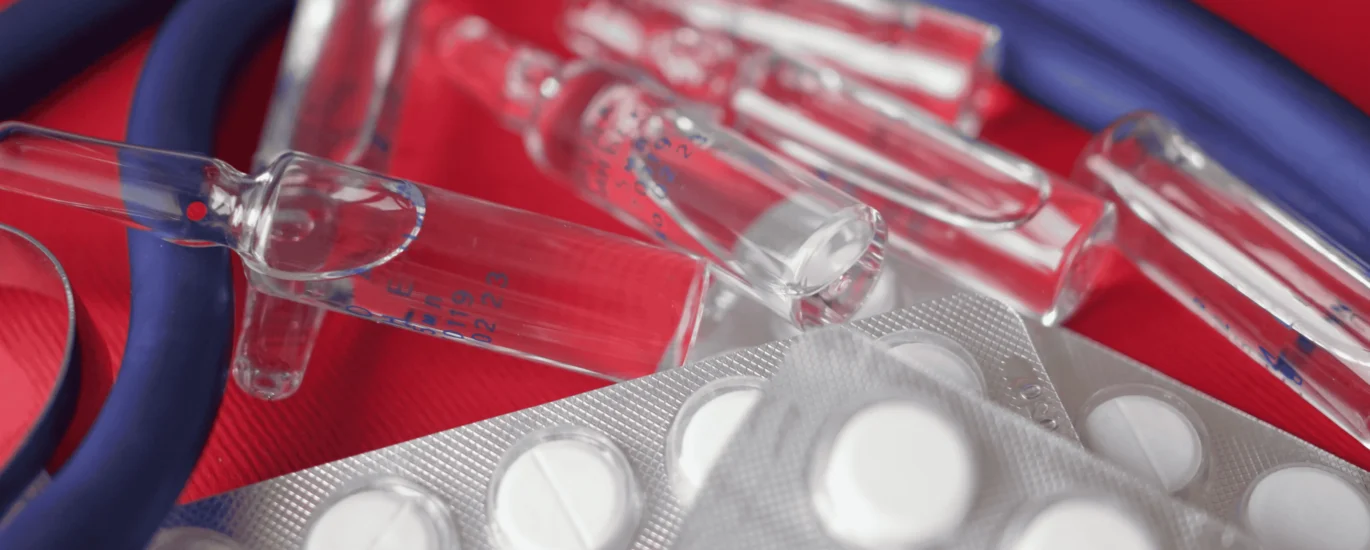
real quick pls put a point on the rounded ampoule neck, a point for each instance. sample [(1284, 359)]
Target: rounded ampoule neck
[(503, 74), (233, 202), (246, 204), (555, 115), (209, 215), (532, 78), (306, 218)]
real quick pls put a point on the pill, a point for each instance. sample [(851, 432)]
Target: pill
[(374, 519), (939, 362), (705, 428), (191, 538), (896, 474), (1304, 507), (1148, 436), (567, 493), (1083, 523)]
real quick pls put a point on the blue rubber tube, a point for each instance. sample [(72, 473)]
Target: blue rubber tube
[(1249, 87), (45, 42), (128, 471), (1233, 150), (1263, 118)]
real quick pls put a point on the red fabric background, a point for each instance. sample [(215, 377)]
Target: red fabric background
[(371, 386)]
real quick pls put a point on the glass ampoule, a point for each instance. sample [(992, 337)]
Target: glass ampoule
[(331, 105), (1275, 287), (659, 166), (942, 62), (391, 251), (990, 219)]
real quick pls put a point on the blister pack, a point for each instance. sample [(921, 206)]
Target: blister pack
[(1290, 494), (848, 447), (609, 469)]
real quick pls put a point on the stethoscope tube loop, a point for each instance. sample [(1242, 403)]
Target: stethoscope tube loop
[(134, 462)]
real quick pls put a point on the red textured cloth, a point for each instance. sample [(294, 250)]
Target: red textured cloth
[(370, 386)]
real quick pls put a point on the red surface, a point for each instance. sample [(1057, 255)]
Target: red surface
[(371, 386)]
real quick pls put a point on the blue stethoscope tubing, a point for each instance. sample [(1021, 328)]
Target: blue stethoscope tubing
[(1263, 118), (133, 463), (46, 42), (34, 451)]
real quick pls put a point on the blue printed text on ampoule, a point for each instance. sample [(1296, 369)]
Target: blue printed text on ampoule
[(633, 175), (468, 315), (1277, 362)]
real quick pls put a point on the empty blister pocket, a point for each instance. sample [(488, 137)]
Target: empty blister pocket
[(967, 339)]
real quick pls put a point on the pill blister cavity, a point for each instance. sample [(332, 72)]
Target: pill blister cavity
[(1080, 523), (192, 538), (894, 474), (382, 514), (1148, 432), (1306, 507), (564, 489), (937, 355), (703, 428)]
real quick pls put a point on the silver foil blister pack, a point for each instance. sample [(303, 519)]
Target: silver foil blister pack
[(1290, 494), (850, 448), (627, 437)]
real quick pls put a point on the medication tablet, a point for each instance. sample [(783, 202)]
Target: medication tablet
[(1148, 434), (896, 473), (1306, 507), (704, 427), (938, 356), (1081, 523), (191, 538), (566, 489), (381, 514)]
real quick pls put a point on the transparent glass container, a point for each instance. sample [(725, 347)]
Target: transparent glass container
[(391, 251), (941, 62), (661, 167), (338, 97), (994, 221), (1266, 280)]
